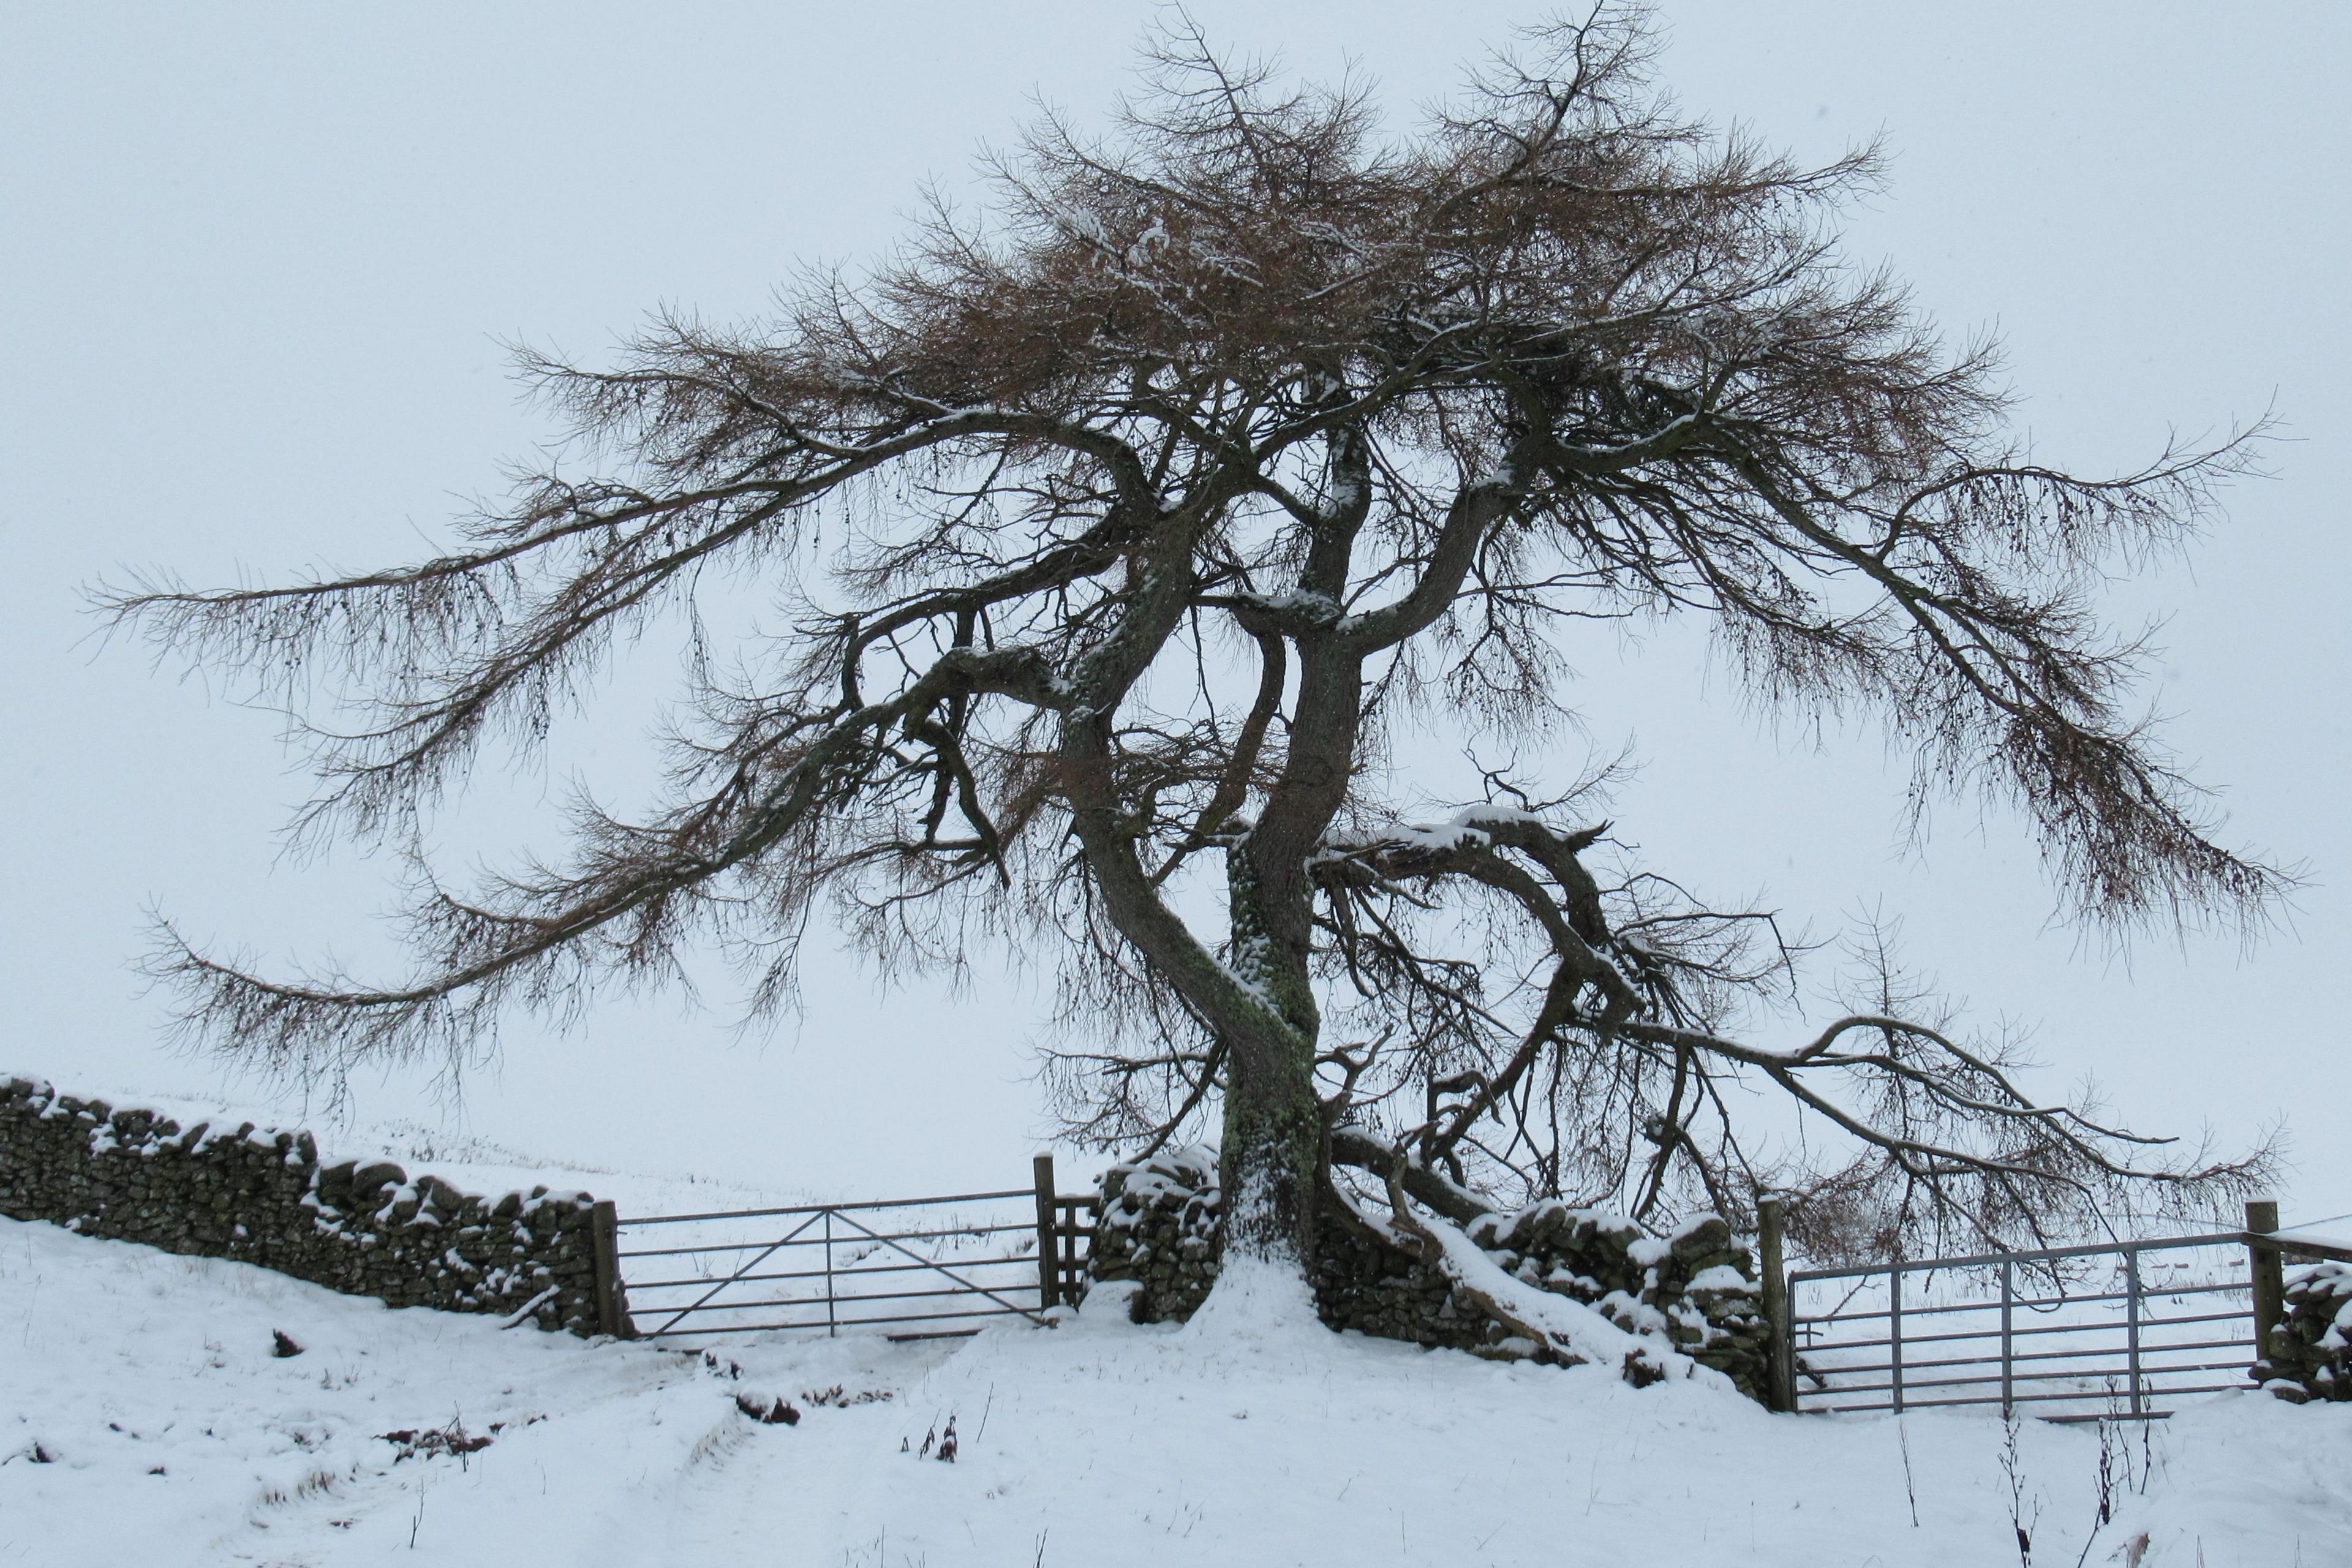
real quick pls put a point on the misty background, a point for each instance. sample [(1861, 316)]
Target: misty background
[(256, 262)]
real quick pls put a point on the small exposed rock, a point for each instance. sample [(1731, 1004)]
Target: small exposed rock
[(768, 1409), (430, 1441)]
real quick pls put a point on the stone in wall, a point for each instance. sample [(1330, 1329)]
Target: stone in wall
[(2310, 1354), (1158, 1225), (1696, 1287), (261, 1197)]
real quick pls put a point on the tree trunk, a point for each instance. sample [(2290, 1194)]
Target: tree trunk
[(1272, 1150), (1271, 1154)]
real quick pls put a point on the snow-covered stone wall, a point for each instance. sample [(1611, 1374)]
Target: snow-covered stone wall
[(263, 1197), (2310, 1353), (1696, 1289)]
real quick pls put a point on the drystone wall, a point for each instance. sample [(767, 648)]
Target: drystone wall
[(1158, 1225), (262, 1196), (2310, 1354)]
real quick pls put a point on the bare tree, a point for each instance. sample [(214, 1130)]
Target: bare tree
[(1122, 521)]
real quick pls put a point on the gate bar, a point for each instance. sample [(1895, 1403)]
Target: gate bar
[(2131, 1321), (2008, 1372), (1895, 1332)]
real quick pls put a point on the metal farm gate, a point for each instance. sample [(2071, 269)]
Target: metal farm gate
[(2115, 1331), (923, 1268)]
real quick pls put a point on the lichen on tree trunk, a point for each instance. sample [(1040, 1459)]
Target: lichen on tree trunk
[(1271, 1154), (1271, 1158)]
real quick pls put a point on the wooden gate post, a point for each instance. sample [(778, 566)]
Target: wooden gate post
[(1049, 1246), (605, 1235), (1780, 1371), (2269, 1276)]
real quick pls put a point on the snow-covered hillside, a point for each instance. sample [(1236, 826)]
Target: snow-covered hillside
[(143, 1418), (466, 1161)]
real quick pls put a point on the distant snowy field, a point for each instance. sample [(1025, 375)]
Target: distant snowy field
[(144, 1419)]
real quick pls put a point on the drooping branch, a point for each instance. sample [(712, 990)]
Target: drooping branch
[(1397, 409), (633, 877), (1950, 1122)]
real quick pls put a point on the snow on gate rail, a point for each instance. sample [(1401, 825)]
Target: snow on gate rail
[(909, 1267)]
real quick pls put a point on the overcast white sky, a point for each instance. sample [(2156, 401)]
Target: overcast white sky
[(254, 261)]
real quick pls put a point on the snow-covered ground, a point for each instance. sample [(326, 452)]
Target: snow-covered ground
[(144, 1418)]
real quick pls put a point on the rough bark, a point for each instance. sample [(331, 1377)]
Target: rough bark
[(1272, 1149)]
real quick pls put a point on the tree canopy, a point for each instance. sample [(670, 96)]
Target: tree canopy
[(1132, 533)]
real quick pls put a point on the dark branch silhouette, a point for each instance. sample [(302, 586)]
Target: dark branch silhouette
[(1120, 522)]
